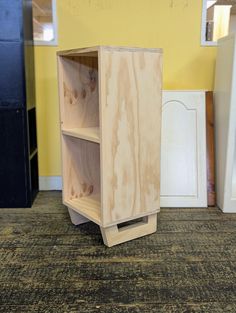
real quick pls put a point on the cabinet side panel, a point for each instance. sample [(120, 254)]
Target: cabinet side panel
[(130, 116), (222, 102), (61, 109)]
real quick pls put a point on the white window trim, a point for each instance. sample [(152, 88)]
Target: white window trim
[(53, 42), (203, 28)]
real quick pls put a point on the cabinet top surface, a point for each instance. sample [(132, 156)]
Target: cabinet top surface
[(96, 49)]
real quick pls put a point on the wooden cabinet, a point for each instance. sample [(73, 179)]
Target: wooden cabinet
[(18, 139), (225, 123), (110, 108)]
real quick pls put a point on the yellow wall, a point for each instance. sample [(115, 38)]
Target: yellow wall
[(173, 25)]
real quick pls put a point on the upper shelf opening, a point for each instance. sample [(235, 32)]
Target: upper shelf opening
[(79, 91)]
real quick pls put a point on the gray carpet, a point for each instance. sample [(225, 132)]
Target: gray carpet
[(49, 265)]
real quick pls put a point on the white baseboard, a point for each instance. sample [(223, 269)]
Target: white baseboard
[(50, 183)]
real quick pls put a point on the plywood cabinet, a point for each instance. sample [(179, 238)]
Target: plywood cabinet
[(110, 108)]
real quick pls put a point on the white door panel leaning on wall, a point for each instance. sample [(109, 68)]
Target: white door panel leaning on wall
[(183, 149)]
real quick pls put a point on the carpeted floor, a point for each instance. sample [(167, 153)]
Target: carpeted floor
[(49, 265)]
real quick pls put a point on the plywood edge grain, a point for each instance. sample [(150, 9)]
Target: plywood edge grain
[(131, 49), (93, 51), (101, 102), (60, 79), (113, 235), (86, 133), (88, 207), (134, 217), (89, 50)]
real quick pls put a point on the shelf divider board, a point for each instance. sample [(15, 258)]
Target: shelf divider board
[(88, 206), (88, 133)]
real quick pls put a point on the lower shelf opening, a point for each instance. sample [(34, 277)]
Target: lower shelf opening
[(88, 206), (81, 177)]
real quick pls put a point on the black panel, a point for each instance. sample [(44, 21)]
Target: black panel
[(32, 130), (11, 20), (12, 83), (34, 176), (18, 167), (13, 168)]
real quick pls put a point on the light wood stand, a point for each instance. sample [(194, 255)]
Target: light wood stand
[(110, 109)]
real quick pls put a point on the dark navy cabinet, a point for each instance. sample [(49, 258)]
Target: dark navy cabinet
[(18, 136)]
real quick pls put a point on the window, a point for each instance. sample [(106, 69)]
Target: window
[(44, 22), (218, 20)]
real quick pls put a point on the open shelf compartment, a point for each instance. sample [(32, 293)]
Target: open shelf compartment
[(81, 177), (79, 97)]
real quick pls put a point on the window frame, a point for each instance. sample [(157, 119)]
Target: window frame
[(53, 42), (204, 42)]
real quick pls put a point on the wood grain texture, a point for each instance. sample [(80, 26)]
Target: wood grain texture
[(78, 89), (130, 99), (111, 96), (81, 173), (49, 265), (92, 51), (114, 235), (89, 133), (210, 140), (89, 206)]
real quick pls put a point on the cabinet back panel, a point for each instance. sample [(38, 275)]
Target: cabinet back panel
[(81, 168), (79, 91)]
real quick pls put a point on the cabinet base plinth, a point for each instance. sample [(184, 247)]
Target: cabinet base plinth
[(115, 235), (77, 218)]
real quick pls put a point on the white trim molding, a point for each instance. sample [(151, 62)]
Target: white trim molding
[(50, 183)]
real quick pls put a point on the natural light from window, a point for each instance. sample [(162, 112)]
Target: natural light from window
[(219, 20), (44, 22)]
